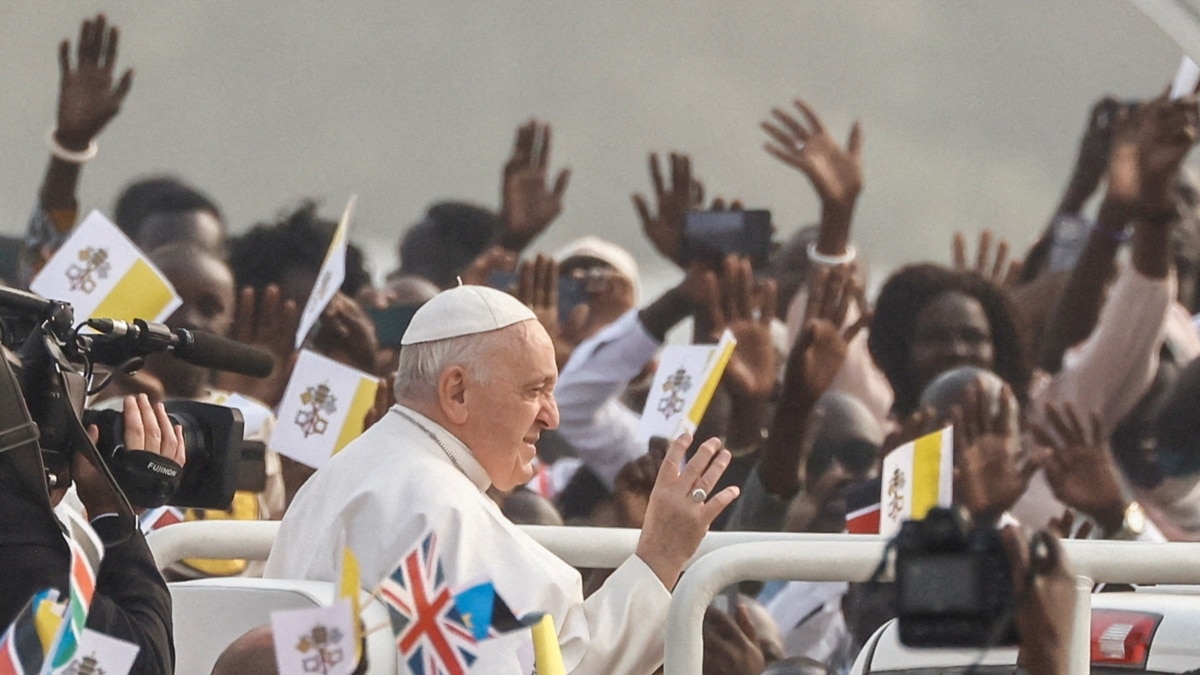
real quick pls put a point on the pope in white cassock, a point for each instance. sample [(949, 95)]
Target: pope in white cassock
[(475, 389)]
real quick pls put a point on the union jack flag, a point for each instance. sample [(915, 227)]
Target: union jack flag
[(430, 633)]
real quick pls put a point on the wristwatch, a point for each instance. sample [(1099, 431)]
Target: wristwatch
[(1132, 526)]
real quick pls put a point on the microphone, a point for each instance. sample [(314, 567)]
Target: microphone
[(120, 340)]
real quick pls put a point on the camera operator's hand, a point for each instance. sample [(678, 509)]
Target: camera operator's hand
[(1045, 590), (147, 428), (665, 229), (1081, 469)]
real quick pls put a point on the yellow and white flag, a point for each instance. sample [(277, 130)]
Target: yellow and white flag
[(322, 409), (105, 275), (330, 276), (916, 477), (684, 384)]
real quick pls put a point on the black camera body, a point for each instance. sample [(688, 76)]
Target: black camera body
[(953, 583), (46, 366)]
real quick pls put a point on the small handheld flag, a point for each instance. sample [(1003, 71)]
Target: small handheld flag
[(430, 634), (322, 409), (104, 275), (684, 384), (916, 477)]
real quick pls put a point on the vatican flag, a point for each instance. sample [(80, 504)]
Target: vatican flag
[(322, 409), (684, 384), (104, 275), (916, 477)]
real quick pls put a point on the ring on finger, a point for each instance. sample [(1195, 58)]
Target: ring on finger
[(699, 495)]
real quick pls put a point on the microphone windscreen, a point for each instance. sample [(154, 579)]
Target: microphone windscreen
[(213, 351)]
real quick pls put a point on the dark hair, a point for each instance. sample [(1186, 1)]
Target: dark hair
[(893, 328), (449, 238), (158, 194), (297, 241)]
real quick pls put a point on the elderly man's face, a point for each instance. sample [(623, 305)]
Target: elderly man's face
[(508, 412)]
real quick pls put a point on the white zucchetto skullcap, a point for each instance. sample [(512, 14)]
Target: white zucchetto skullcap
[(465, 310)]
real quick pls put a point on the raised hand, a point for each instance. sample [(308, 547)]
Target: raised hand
[(991, 470), (87, 100), (835, 173), (1080, 468), (527, 204), (821, 347), (680, 509), (999, 270), (1149, 144), (266, 320), (746, 309), (537, 289), (1094, 149), (634, 483), (346, 334), (731, 644), (665, 229)]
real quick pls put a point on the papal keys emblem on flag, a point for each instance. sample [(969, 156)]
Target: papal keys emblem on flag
[(319, 402), (430, 633), (93, 262)]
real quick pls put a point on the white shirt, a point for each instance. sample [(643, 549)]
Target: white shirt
[(393, 482), (601, 429)]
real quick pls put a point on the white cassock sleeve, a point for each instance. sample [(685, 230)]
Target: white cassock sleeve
[(626, 622)]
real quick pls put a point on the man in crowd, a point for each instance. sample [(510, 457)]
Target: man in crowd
[(475, 390)]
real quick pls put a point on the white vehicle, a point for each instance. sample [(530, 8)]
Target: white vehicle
[(1155, 629)]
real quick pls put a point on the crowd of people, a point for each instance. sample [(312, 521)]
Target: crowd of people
[(1068, 372)]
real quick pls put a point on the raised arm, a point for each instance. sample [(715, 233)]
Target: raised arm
[(527, 204), (834, 172), (87, 102)]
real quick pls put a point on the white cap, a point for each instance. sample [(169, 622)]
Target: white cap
[(606, 252), (465, 310)]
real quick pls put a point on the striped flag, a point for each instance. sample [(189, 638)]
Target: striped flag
[(21, 649), (862, 508), (103, 274), (916, 477), (322, 409), (431, 635), (86, 553)]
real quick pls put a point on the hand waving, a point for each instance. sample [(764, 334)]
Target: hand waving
[(1000, 271), (991, 470), (821, 347), (87, 100), (527, 204), (835, 173), (665, 230), (1080, 468), (746, 309)]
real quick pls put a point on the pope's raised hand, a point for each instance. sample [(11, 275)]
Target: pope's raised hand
[(680, 509)]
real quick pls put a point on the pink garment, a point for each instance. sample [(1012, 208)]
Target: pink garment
[(1106, 374)]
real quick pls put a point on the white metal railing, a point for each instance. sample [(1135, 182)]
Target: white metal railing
[(851, 558), (725, 558), (578, 546)]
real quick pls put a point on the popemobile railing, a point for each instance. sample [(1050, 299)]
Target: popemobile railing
[(725, 558)]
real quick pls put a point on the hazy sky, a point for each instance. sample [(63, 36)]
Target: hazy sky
[(971, 110)]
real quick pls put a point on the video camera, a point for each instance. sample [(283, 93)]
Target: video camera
[(953, 583), (45, 374)]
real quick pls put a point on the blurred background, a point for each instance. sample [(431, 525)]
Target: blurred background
[(971, 111)]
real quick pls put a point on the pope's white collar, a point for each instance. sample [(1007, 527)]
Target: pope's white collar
[(448, 442)]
